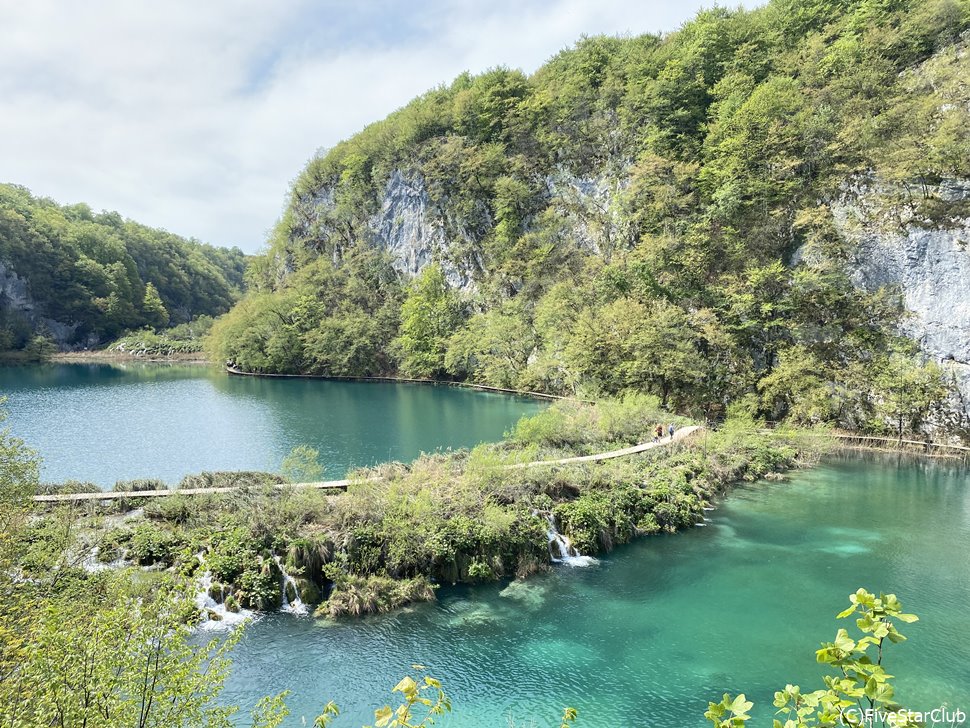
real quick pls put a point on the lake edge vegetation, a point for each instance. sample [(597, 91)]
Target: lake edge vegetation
[(51, 609), (76, 280), (455, 517)]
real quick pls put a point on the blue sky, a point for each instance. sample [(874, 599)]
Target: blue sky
[(194, 116)]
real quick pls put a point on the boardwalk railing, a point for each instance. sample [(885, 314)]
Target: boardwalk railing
[(341, 485)]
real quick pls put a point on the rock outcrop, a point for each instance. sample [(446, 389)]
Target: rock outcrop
[(15, 298), (930, 265), (404, 225), (417, 232)]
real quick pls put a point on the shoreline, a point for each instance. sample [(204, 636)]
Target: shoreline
[(111, 357), (232, 371)]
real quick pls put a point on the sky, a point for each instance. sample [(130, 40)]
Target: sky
[(195, 115)]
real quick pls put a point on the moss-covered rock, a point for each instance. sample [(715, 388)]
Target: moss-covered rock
[(309, 592), (356, 596)]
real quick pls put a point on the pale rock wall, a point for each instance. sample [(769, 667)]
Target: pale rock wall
[(415, 231), (931, 268)]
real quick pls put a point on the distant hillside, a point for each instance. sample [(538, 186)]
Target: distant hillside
[(82, 278), (686, 215)]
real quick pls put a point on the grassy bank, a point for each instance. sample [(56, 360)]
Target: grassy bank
[(446, 518)]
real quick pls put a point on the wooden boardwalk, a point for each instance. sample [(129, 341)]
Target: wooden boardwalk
[(642, 447), (119, 494), (862, 441), (341, 485), (897, 441)]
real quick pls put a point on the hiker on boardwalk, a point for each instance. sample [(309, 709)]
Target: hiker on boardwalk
[(658, 433), (671, 430)]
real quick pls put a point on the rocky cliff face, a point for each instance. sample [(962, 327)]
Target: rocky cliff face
[(929, 264), (15, 297), (416, 232), (931, 267), (404, 225)]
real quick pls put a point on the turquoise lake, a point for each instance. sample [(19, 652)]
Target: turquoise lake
[(645, 637), (659, 627), (102, 423)]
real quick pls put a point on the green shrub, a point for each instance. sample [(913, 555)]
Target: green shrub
[(480, 571), (67, 487), (357, 596), (112, 545), (260, 585), (150, 544), (230, 479), (139, 484)]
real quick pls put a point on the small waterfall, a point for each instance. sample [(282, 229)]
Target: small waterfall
[(216, 615), (296, 606), (93, 566), (563, 552)]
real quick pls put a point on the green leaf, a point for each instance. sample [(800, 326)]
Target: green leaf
[(383, 716), (843, 641), (740, 706), (406, 686), (846, 612)]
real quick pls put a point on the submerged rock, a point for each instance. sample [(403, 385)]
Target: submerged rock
[(530, 596), (471, 615)]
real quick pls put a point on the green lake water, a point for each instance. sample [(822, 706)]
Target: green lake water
[(660, 626), (103, 423)]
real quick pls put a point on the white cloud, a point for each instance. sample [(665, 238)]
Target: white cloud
[(194, 116)]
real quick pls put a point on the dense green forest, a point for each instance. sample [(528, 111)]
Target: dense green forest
[(628, 217), (82, 278)]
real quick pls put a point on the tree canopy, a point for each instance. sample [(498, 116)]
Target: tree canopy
[(97, 275), (651, 213)]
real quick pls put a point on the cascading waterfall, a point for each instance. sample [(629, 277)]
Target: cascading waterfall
[(217, 617), (296, 606), (559, 544)]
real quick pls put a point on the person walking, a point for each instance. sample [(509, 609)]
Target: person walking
[(671, 430), (658, 433)]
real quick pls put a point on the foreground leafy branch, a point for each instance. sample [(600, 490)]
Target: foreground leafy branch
[(862, 687)]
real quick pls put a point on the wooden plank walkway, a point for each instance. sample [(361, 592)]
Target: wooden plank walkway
[(342, 485), (642, 447), (118, 494), (873, 440), (896, 441)]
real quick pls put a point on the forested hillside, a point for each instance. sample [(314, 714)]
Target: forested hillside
[(81, 278), (665, 214)]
